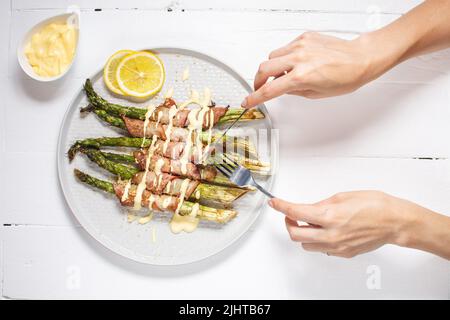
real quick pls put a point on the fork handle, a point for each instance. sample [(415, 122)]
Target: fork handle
[(267, 193)]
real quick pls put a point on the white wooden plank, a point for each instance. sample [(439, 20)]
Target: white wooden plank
[(5, 19), (322, 5), (426, 182), (90, 4), (2, 262), (377, 6), (62, 262), (401, 115), (382, 119), (246, 42), (31, 193), (374, 121), (6, 94), (34, 112)]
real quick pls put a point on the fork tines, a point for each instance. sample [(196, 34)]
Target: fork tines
[(227, 165)]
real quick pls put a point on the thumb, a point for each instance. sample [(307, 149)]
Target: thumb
[(299, 212)]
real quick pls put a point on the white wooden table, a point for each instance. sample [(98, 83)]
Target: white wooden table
[(392, 135)]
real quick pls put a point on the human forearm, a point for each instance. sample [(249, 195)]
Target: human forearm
[(422, 229), (424, 29), (318, 66)]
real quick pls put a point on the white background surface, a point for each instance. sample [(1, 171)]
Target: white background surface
[(371, 139)]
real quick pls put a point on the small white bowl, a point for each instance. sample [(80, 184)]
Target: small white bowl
[(70, 17)]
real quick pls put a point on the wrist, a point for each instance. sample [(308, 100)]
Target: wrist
[(378, 56), (412, 224)]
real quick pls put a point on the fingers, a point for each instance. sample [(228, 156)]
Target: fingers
[(285, 50), (270, 90), (272, 68), (304, 234), (300, 212)]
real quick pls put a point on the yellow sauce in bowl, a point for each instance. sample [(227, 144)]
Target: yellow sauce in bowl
[(51, 50)]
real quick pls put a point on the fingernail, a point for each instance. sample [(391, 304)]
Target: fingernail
[(270, 203), (244, 103)]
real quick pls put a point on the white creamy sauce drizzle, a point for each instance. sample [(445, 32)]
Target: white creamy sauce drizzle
[(151, 200), (150, 109), (196, 119), (146, 219), (166, 202), (160, 114), (158, 166), (211, 124), (172, 113), (185, 74), (126, 191), (185, 223), (168, 187), (169, 93), (158, 183), (142, 184), (193, 99), (185, 156), (131, 217)]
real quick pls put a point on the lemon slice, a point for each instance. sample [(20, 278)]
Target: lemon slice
[(109, 71), (140, 74)]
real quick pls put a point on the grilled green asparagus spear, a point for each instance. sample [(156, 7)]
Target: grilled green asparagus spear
[(121, 170), (97, 143), (138, 113), (219, 180), (94, 182), (237, 142), (204, 212), (120, 157), (127, 172)]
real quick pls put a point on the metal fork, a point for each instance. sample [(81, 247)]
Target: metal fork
[(238, 174)]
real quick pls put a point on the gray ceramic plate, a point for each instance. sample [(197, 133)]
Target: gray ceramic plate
[(102, 216)]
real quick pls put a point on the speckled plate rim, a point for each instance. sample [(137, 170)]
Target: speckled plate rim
[(110, 244)]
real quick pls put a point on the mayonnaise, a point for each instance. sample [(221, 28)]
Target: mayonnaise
[(185, 74), (126, 191), (51, 50), (142, 184), (146, 219), (150, 109), (186, 223), (169, 93)]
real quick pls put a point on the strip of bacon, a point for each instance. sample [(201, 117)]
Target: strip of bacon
[(165, 183), (159, 202), (179, 133), (173, 166), (135, 128)]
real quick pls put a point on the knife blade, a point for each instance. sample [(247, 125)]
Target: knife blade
[(212, 147)]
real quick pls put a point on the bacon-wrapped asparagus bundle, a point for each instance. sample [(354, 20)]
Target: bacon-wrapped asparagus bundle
[(168, 183), (173, 150), (161, 113), (135, 128), (158, 202)]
